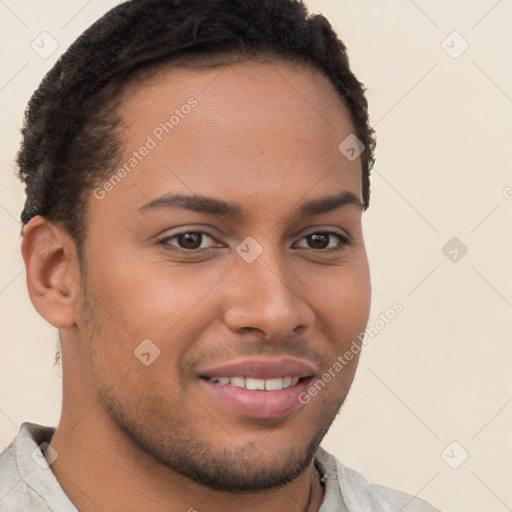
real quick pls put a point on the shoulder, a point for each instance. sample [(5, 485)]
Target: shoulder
[(12, 487), (361, 495), (17, 469)]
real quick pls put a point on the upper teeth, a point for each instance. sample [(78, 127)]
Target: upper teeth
[(262, 384)]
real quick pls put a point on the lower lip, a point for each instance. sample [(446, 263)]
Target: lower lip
[(257, 403)]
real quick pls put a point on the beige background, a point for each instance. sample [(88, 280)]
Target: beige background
[(439, 372)]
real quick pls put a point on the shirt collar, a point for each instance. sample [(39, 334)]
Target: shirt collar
[(34, 469)]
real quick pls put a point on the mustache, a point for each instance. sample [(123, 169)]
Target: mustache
[(297, 348)]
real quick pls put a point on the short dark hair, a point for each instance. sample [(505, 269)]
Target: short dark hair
[(71, 136)]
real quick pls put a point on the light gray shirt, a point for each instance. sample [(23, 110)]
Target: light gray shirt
[(27, 482)]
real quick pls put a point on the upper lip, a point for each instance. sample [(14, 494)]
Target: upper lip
[(262, 368)]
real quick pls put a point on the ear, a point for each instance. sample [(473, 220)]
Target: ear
[(53, 277)]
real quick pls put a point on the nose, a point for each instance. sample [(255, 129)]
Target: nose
[(264, 296)]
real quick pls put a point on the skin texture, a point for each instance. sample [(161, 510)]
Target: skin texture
[(264, 136)]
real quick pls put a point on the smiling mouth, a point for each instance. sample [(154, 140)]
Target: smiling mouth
[(275, 384), (263, 387), (256, 397)]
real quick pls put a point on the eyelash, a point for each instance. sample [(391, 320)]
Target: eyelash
[(345, 241)]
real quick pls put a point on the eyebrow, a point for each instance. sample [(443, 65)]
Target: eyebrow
[(213, 206)]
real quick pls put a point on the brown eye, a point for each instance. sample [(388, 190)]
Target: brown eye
[(321, 241), (187, 241), (318, 240)]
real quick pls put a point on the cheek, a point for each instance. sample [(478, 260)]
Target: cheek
[(150, 299), (343, 301)]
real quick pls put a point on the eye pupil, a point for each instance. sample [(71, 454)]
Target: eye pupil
[(320, 240), (191, 240)]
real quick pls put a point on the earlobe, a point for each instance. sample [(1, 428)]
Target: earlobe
[(52, 271)]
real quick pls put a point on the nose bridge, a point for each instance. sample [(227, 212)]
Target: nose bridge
[(269, 281), (263, 294)]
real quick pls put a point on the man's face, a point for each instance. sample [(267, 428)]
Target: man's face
[(263, 137)]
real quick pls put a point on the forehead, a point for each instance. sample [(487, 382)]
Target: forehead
[(249, 130), (271, 88)]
